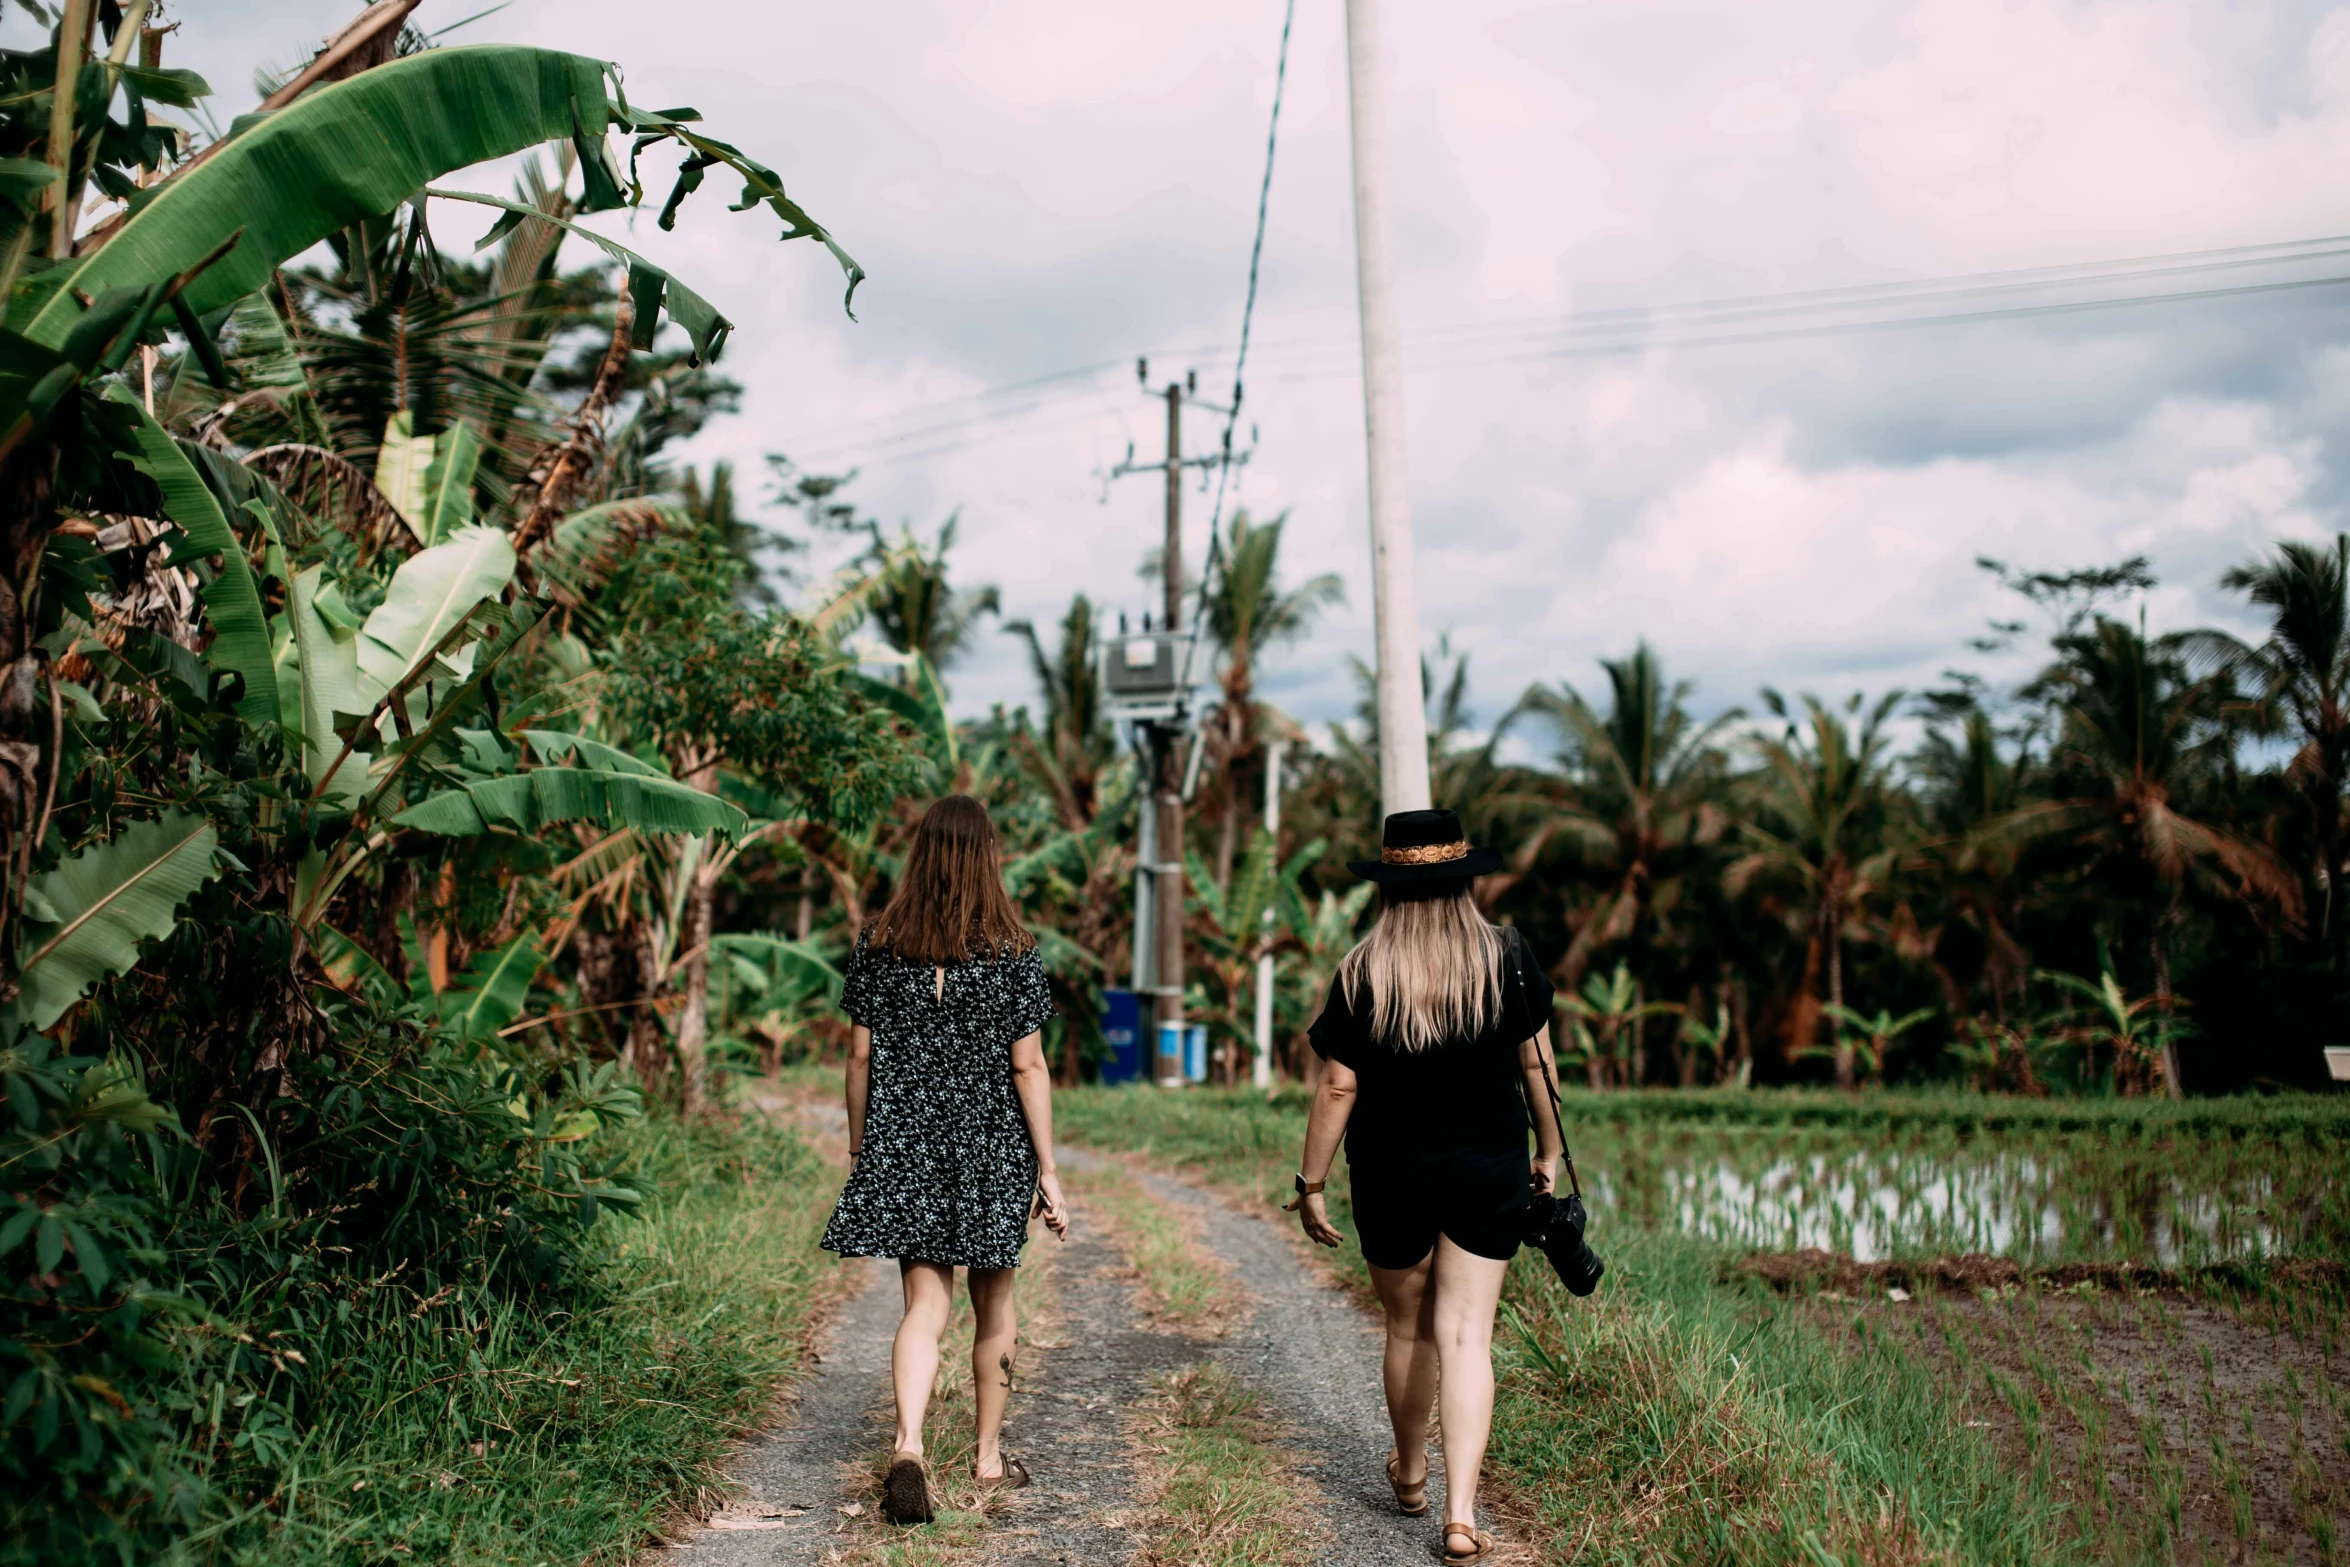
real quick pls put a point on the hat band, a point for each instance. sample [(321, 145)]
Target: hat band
[(1426, 854)]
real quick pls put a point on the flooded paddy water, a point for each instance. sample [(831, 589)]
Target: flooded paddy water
[(2162, 1186)]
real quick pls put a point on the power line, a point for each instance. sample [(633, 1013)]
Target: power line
[(1688, 324), (1248, 308)]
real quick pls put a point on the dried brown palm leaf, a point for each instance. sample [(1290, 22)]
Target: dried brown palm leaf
[(328, 487), (554, 480)]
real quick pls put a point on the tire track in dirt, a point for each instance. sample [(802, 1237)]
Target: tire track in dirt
[(1313, 1354), (1305, 1346), (1077, 1386)]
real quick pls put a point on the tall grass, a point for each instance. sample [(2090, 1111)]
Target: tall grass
[(567, 1427)]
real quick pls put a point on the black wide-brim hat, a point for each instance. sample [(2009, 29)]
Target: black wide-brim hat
[(1425, 846)]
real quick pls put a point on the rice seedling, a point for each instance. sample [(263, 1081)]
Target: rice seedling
[(1687, 1413)]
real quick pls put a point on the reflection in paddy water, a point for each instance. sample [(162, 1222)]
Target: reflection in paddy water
[(2168, 1206)]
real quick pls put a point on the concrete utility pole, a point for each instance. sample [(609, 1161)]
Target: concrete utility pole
[(1169, 847), (1395, 605), (1261, 1074)]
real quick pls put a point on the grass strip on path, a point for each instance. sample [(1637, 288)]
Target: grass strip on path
[(1221, 1495), (1182, 1285), (1221, 1489)]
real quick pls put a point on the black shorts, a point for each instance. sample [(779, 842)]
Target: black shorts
[(1399, 1227)]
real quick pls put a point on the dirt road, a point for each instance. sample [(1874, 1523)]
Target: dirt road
[(1090, 1360)]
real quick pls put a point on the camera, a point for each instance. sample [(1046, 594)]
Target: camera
[(1555, 1229)]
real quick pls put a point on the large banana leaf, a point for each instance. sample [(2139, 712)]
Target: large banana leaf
[(496, 988), (430, 597), (87, 917), (448, 483), (333, 158), (555, 745), (527, 802), (232, 603), (797, 963), (402, 459), (327, 654)]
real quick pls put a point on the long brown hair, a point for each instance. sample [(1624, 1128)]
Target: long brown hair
[(950, 906), (1432, 962)]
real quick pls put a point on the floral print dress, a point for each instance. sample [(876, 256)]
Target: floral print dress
[(947, 1173)]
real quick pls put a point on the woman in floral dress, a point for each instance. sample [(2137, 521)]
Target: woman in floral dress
[(950, 1123)]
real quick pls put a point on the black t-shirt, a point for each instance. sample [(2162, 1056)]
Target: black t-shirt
[(1454, 1111)]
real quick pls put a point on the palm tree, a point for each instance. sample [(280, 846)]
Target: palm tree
[(1642, 783), (1077, 743), (912, 603), (2139, 734), (1824, 797), (2300, 681), (1247, 610), (1972, 793), (713, 509)]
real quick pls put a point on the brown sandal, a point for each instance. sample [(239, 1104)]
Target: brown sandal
[(905, 1495), (1411, 1506), (1485, 1546), (1015, 1476)]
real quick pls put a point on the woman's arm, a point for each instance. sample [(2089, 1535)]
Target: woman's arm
[(1334, 1103), (859, 1081), (1032, 1080), (1550, 1140)]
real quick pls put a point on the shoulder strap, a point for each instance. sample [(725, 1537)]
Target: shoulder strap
[(1516, 945)]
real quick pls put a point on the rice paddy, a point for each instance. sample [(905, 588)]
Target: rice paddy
[(2160, 1186), (2017, 1331)]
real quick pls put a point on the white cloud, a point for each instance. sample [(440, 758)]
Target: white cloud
[(1039, 184)]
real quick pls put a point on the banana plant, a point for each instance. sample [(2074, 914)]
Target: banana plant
[(1871, 1037), (1231, 931), (428, 479), (1608, 1015), (85, 920)]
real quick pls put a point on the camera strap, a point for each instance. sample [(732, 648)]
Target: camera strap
[(1550, 1068)]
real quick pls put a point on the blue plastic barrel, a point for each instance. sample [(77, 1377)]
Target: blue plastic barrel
[(1122, 1031)]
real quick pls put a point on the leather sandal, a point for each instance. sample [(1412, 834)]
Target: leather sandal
[(905, 1495), (1411, 1501), (1484, 1544), (1015, 1476)]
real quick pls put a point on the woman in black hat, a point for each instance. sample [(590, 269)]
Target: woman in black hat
[(1437, 1038)]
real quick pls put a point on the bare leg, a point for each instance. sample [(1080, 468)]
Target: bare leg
[(913, 1359), (1410, 1366), (1468, 1287), (994, 1330)]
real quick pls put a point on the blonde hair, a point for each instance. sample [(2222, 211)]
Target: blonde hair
[(1433, 967)]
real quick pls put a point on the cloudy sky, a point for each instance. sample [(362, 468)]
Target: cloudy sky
[(1048, 188)]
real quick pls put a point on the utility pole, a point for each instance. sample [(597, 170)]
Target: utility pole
[(1395, 607), (1169, 847), (1148, 684), (1261, 1074)]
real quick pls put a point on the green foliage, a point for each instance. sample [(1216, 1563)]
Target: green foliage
[(85, 919), (529, 802), (303, 1165)]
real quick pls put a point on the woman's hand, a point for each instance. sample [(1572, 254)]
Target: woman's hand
[(1050, 1205), (1546, 1175), (1316, 1218)]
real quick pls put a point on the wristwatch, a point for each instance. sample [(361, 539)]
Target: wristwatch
[(1306, 1188)]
